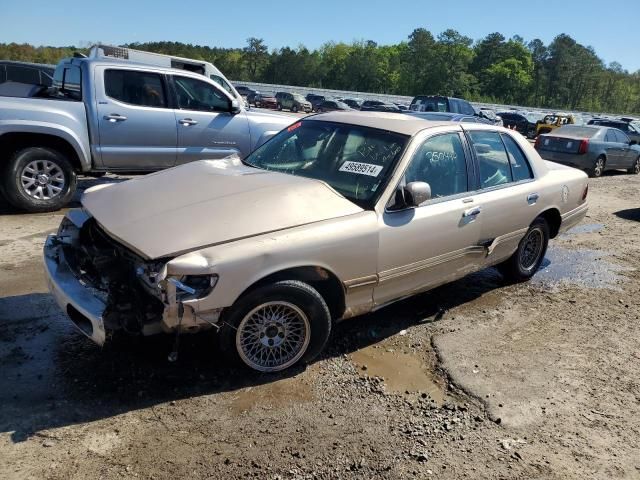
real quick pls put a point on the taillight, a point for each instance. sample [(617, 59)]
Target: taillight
[(537, 144), (585, 193), (584, 146)]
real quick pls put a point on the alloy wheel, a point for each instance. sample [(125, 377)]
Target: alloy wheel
[(42, 179), (273, 336)]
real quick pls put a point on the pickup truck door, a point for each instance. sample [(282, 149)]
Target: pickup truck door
[(135, 121), (207, 129), (437, 242)]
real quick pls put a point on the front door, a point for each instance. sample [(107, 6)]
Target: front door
[(436, 242), (206, 127), (137, 127)]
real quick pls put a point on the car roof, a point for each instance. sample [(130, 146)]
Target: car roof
[(393, 122)]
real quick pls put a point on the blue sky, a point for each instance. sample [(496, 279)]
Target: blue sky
[(610, 27)]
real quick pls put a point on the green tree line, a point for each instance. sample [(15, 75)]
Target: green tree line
[(563, 74)]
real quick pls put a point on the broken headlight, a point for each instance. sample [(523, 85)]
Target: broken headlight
[(197, 286)]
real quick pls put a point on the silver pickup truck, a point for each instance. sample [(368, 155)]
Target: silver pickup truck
[(116, 115)]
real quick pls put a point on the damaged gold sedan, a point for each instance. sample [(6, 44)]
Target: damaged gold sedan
[(335, 216)]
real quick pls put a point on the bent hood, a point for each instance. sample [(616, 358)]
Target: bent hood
[(207, 203)]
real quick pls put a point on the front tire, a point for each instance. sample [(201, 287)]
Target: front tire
[(526, 260), (38, 179), (598, 167), (635, 169), (277, 326)]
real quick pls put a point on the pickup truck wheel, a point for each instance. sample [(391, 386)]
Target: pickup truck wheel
[(635, 169), (526, 260), (38, 179), (276, 326), (294, 109)]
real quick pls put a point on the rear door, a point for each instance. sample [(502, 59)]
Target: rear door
[(136, 123), (206, 127), (506, 192), (614, 149)]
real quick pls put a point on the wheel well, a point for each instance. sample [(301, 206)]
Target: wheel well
[(12, 142), (324, 281), (553, 218)]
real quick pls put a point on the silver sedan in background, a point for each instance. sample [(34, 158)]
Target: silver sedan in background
[(593, 149)]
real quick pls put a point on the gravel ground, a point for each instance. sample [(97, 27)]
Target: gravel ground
[(477, 379)]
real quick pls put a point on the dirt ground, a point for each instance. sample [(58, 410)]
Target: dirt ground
[(477, 379)]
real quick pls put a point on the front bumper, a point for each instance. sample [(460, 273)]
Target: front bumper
[(83, 307)]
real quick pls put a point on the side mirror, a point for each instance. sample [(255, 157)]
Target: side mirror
[(235, 106), (413, 194)]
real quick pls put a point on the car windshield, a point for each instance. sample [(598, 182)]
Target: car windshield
[(355, 161), (299, 98)]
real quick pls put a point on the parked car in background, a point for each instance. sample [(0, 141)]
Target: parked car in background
[(24, 72), (449, 117), (251, 98), (331, 106), (335, 216), (354, 103), (591, 148), (632, 131), (114, 115), (438, 103), (378, 106), (265, 100), (401, 106), (293, 101), (315, 100), (490, 115), (553, 121), (519, 122), (245, 91)]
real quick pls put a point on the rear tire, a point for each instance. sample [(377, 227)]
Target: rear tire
[(276, 326), (279, 107), (38, 179), (598, 167), (526, 260), (635, 169), (294, 109)]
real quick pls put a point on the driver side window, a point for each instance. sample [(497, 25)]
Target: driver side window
[(193, 94), (440, 162)]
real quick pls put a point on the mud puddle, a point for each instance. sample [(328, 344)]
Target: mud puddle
[(400, 371), (583, 267), (277, 394), (587, 228)]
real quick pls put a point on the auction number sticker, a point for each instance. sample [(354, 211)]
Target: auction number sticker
[(361, 168)]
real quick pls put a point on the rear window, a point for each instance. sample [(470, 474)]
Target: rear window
[(430, 104), (16, 73), (68, 80), (576, 131), (136, 88)]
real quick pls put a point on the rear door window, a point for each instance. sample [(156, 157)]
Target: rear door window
[(520, 168), (144, 89), (621, 137), (611, 136), (492, 158)]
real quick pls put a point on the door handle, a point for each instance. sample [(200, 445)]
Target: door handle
[(472, 212), (532, 198), (114, 117), (187, 122)]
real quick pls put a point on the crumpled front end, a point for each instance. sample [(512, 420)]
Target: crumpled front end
[(105, 287)]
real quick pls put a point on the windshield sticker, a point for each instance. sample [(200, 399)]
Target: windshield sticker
[(361, 168), (294, 126)]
